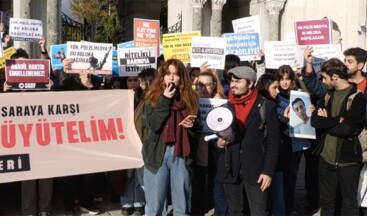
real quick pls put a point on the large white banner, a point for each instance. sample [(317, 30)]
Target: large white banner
[(51, 134)]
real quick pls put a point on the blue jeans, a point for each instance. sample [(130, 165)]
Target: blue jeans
[(173, 172), (220, 202), (133, 193)]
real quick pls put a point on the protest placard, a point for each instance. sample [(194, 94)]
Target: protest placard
[(146, 33), (1, 49), (7, 54), (25, 29), (247, 24), (27, 74), (132, 61), (283, 103), (93, 58), (280, 53), (178, 45), (58, 53), (115, 64), (128, 44), (210, 49), (313, 32), (244, 45), (321, 53), (300, 116), (207, 104), (67, 133)]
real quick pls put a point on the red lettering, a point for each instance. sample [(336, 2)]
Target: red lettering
[(8, 137), (58, 126), (109, 132), (25, 130), (94, 129), (71, 132), (43, 133), (83, 136), (120, 128)]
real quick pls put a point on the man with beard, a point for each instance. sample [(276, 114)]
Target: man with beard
[(249, 157), (354, 59), (340, 151)]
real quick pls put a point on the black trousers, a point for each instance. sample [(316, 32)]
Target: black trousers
[(311, 179), (246, 199), (347, 178)]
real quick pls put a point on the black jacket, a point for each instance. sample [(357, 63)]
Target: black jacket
[(348, 148), (250, 152)]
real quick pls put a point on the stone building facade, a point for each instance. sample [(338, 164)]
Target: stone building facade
[(213, 17), (277, 17), (46, 10)]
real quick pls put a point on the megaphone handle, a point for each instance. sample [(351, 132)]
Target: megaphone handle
[(210, 137)]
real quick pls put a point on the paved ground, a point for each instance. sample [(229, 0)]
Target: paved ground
[(9, 206)]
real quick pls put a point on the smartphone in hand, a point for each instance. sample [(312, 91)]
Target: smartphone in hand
[(188, 120)]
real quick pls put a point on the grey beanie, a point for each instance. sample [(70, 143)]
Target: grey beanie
[(244, 72)]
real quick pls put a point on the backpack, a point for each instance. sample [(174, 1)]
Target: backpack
[(362, 136)]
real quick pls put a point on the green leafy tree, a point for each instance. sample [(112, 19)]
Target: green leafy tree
[(101, 16)]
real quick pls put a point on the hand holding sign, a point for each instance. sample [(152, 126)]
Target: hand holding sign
[(67, 64), (308, 54)]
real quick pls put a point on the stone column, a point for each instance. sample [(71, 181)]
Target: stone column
[(25, 13), (216, 20), (53, 22), (197, 17), (274, 7)]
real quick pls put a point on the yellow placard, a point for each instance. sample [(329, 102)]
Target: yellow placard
[(178, 45), (7, 54)]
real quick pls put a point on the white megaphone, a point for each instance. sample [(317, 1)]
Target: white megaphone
[(219, 120)]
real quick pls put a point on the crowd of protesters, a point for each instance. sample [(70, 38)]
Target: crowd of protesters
[(250, 171)]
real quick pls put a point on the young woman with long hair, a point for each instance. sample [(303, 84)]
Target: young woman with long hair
[(287, 82), (172, 118)]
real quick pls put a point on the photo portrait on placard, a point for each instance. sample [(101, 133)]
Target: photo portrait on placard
[(300, 116)]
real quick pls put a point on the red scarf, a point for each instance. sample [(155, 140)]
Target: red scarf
[(174, 134), (242, 106)]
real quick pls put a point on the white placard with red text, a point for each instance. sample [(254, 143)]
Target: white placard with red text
[(67, 133)]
